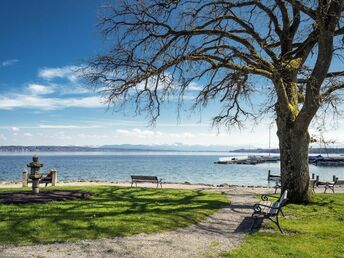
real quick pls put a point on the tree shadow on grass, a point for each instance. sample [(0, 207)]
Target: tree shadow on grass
[(109, 212)]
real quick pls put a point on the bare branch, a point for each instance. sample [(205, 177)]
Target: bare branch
[(162, 47), (305, 9), (334, 87)]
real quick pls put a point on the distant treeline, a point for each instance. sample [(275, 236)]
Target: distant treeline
[(115, 148), (312, 150), (126, 147), (61, 149), (45, 148)]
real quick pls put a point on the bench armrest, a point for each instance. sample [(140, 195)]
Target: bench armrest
[(268, 206), (265, 197), (258, 207)]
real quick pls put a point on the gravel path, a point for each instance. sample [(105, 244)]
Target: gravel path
[(220, 232)]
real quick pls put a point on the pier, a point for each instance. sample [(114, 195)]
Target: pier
[(247, 160)]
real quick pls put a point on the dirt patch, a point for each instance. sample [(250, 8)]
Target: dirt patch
[(43, 197)]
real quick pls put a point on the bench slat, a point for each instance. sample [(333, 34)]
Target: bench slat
[(152, 178)]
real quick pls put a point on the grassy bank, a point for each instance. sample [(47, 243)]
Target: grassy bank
[(314, 230), (110, 212)]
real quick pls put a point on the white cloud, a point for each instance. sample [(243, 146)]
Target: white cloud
[(94, 136), (28, 134), (33, 96), (67, 72), (47, 126), (163, 84), (155, 134), (38, 102), (9, 62), (15, 129), (38, 89), (194, 87), (138, 133), (188, 135), (71, 89)]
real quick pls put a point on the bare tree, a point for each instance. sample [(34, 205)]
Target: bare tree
[(159, 48)]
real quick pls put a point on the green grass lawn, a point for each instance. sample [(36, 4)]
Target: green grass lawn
[(110, 212), (313, 230)]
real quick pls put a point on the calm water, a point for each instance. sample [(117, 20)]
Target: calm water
[(171, 166)]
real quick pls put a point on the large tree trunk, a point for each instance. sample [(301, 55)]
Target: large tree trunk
[(294, 145)]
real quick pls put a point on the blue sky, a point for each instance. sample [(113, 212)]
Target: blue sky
[(43, 102)]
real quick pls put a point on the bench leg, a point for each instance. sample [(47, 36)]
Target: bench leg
[(131, 184), (282, 213), (277, 223), (315, 184), (254, 222)]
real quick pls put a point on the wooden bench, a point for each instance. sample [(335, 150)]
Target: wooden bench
[(328, 184), (149, 179), (269, 210), (47, 178), (276, 179)]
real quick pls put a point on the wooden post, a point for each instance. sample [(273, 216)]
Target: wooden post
[(53, 172), (334, 178), (317, 179), (313, 175), (269, 172), (25, 178)]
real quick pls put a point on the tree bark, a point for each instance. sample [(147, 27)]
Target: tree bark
[(294, 145)]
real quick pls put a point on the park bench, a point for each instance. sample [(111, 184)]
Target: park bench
[(47, 178), (276, 179), (266, 209), (149, 179), (328, 184)]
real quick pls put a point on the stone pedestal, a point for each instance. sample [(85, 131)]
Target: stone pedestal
[(53, 173), (25, 178), (35, 184), (35, 174)]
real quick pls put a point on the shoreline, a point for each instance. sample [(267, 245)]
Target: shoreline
[(168, 185)]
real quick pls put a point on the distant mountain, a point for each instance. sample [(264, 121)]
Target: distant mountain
[(167, 147), (111, 148), (311, 150), (163, 147), (46, 149)]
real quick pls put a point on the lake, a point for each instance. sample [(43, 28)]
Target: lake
[(193, 167)]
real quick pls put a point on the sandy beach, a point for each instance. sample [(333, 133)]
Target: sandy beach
[(168, 185)]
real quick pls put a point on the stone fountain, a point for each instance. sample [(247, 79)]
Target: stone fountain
[(35, 174)]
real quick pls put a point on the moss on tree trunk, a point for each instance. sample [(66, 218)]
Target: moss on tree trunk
[(294, 164)]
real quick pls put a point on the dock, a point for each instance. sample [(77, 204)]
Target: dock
[(247, 160), (327, 161)]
